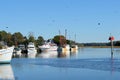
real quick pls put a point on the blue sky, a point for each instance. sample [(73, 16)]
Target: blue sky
[(47, 17)]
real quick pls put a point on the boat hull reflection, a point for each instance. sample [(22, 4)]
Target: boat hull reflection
[(6, 72), (64, 54), (32, 55), (55, 54), (50, 54)]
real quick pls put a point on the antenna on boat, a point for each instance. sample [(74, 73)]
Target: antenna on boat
[(59, 32), (65, 36), (60, 38), (65, 33), (75, 38)]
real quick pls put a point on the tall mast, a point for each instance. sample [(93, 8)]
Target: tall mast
[(75, 38), (60, 37), (65, 33), (65, 36)]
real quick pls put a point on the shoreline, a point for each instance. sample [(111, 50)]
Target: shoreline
[(99, 46)]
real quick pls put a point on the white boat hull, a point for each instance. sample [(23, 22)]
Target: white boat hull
[(31, 48), (44, 50), (66, 48), (32, 51), (74, 48), (49, 49), (6, 55)]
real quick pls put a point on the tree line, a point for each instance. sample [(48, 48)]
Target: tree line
[(115, 43), (18, 38)]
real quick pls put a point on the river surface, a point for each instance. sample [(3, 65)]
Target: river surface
[(84, 64)]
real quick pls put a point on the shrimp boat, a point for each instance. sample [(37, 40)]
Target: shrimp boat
[(6, 54), (48, 46)]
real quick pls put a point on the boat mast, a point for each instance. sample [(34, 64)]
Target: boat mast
[(60, 37), (75, 39), (65, 36)]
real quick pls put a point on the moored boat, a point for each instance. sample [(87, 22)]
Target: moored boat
[(74, 48), (6, 54), (17, 52), (48, 46), (64, 48), (31, 48)]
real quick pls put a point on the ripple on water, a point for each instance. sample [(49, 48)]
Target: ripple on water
[(96, 64)]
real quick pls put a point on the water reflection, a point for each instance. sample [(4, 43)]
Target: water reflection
[(32, 55), (56, 54), (6, 72), (112, 63), (72, 53), (64, 54), (51, 54), (89, 61)]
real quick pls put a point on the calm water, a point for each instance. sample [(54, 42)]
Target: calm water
[(85, 64)]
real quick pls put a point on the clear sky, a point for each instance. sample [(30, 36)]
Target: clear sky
[(90, 20)]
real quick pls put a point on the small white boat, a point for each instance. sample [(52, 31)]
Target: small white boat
[(31, 48), (17, 52), (66, 48), (74, 47), (48, 46), (6, 55)]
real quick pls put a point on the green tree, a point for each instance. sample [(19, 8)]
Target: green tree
[(117, 43), (40, 40), (17, 38), (9, 39), (3, 36), (25, 42), (6, 37), (31, 39), (59, 40)]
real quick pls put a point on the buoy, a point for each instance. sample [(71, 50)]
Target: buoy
[(111, 38)]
